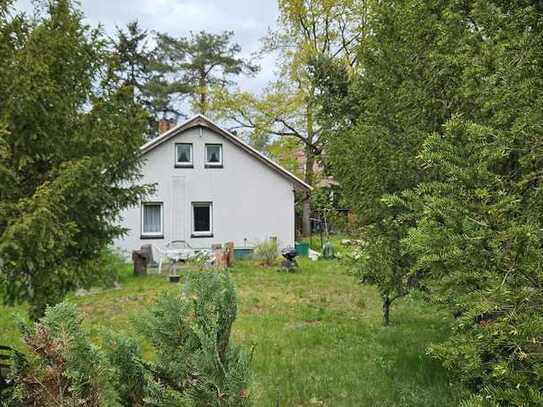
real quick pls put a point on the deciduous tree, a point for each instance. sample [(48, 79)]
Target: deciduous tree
[(307, 30)]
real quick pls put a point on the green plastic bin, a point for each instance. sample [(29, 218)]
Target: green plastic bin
[(302, 249), (243, 253)]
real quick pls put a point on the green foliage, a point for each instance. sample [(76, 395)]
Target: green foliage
[(326, 202), (480, 249), (437, 144), (161, 77), (348, 359), (267, 252), (283, 151), (132, 66), (196, 363), (376, 119), (306, 30), (64, 368), (68, 149), (133, 56), (128, 368), (378, 260), (198, 64), (106, 269), (480, 212)]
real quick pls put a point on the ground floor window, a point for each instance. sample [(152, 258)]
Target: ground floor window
[(151, 220), (202, 219)]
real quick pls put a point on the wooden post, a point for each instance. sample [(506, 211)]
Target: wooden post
[(220, 258), (140, 263), (229, 252)]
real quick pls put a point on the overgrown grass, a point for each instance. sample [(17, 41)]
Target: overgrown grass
[(316, 335)]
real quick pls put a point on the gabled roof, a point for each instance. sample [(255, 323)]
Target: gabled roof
[(202, 121)]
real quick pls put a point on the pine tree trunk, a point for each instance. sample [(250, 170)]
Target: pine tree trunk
[(203, 94)]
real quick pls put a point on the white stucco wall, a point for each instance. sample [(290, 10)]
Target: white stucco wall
[(251, 202)]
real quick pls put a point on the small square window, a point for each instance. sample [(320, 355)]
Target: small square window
[(213, 155), (183, 155), (151, 220), (202, 219)]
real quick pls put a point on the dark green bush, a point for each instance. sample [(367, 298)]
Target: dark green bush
[(63, 367), (195, 363), (478, 246)]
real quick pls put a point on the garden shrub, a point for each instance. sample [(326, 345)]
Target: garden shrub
[(129, 369), (63, 367), (196, 363), (267, 252)]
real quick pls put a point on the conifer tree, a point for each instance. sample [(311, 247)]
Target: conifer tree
[(135, 67), (69, 151), (196, 65), (196, 362), (478, 216), (446, 143), (62, 367), (133, 56), (478, 246), (375, 119)]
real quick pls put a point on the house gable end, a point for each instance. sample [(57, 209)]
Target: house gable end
[(203, 122)]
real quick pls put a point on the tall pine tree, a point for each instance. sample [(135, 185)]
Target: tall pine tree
[(195, 65)]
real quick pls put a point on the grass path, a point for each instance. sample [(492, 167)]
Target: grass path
[(317, 337)]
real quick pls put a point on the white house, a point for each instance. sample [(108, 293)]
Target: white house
[(211, 187)]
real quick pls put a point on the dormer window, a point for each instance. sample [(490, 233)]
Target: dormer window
[(213, 156), (183, 155)]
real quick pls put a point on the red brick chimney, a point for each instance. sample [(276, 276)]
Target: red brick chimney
[(165, 125)]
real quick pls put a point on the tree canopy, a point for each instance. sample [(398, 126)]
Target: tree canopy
[(197, 64), (435, 139), (69, 146)]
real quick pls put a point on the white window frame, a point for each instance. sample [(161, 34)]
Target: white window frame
[(211, 164), (202, 233), (155, 235), (186, 164)]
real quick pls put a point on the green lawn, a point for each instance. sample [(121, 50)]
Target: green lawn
[(317, 337)]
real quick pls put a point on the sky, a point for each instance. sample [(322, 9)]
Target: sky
[(249, 19)]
